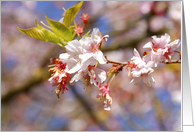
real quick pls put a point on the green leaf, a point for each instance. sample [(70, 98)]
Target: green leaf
[(72, 31), (71, 13), (62, 41), (40, 27), (60, 29), (41, 34)]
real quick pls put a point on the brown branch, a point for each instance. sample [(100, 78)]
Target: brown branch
[(125, 63), (114, 62), (171, 62)]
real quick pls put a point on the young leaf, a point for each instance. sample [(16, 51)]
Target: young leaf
[(72, 31), (38, 26), (71, 13), (60, 29), (41, 34)]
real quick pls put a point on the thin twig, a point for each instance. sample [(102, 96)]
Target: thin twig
[(125, 63), (114, 62), (171, 62)]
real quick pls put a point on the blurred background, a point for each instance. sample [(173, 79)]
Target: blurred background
[(27, 102)]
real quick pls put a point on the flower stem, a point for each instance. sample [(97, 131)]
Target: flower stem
[(85, 28), (111, 79)]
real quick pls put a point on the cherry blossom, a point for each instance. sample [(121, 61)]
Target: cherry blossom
[(90, 77), (84, 52), (60, 77), (161, 49), (141, 69), (84, 16), (79, 29)]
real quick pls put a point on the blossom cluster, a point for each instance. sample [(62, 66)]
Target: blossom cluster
[(80, 59), (160, 50), (83, 55)]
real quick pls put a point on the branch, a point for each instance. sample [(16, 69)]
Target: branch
[(114, 62), (125, 63), (171, 62)]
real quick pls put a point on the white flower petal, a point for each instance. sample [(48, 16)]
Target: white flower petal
[(85, 43), (147, 80), (136, 73), (75, 68), (147, 57), (96, 35), (77, 77), (100, 57), (100, 75), (73, 47), (61, 20), (136, 80), (149, 64), (148, 45), (64, 57), (174, 45), (136, 53), (86, 60)]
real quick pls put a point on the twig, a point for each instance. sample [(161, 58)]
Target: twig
[(171, 62), (125, 63), (114, 62)]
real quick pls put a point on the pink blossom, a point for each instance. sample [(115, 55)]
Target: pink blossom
[(161, 49), (90, 77), (80, 54), (141, 69), (60, 77), (79, 30), (84, 16)]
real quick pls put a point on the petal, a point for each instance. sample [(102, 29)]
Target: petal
[(85, 43), (86, 60), (61, 75), (61, 20), (85, 57), (147, 80), (51, 78), (149, 64), (136, 80), (148, 45), (100, 75), (136, 53), (96, 35), (167, 38), (136, 73), (64, 57), (147, 57), (175, 44), (78, 76), (100, 57), (75, 68), (73, 47)]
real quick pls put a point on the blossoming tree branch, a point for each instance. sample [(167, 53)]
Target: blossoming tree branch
[(82, 56)]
